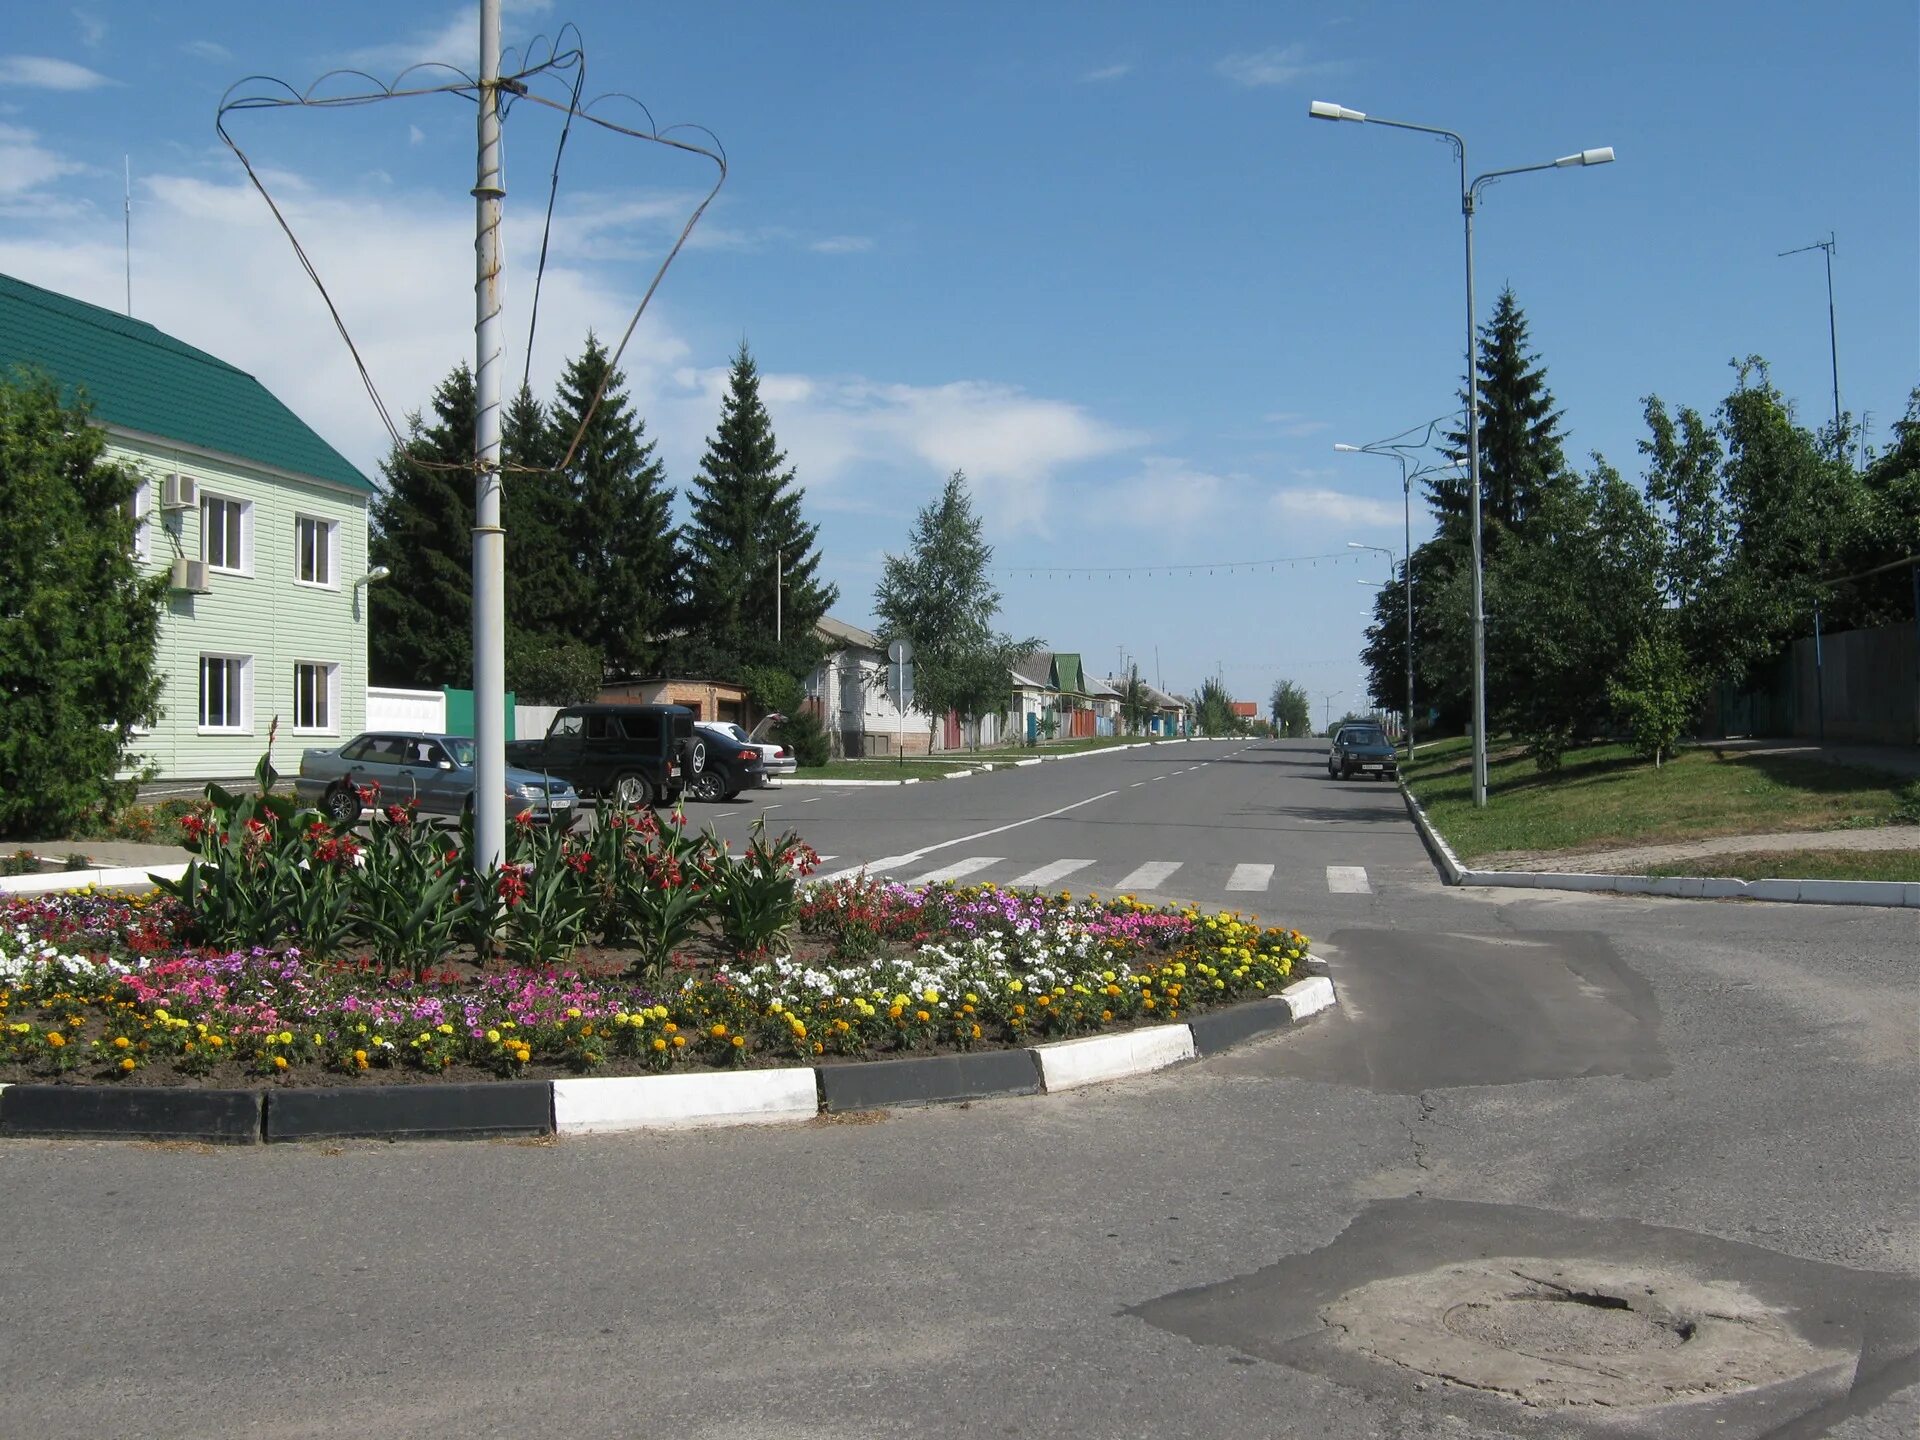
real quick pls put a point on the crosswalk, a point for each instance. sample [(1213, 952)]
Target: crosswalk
[(1147, 879)]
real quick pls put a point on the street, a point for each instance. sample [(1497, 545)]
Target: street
[(1708, 1094)]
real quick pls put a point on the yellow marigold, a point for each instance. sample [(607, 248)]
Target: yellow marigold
[(659, 1042), (679, 1041), (286, 1037), (56, 1039), (121, 1042), (359, 1057), (670, 1028), (738, 1041), (523, 1054), (279, 1062), (573, 1012), (444, 1028), (922, 1016), (718, 1032), (215, 1041), (127, 1064), (493, 1038)]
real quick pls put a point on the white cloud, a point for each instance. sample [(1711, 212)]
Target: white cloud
[(455, 41), (842, 245), (42, 72), (415, 135), (207, 50), (1107, 73), (1307, 505), (26, 164), (1279, 65), (92, 28), (1295, 426)]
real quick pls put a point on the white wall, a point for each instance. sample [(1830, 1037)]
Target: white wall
[(389, 709)]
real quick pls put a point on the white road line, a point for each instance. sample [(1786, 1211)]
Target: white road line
[(1348, 880), (894, 861), (1251, 877), (1047, 874), (1136, 784), (957, 869), (1149, 876)]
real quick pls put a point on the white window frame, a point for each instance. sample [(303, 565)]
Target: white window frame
[(140, 505), (245, 558), (240, 669), (329, 673), (329, 551)]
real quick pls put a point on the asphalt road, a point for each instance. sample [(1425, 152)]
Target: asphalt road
[(1715, 1094)]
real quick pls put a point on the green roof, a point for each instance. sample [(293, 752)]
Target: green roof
[(140, 378), (1066, 675)]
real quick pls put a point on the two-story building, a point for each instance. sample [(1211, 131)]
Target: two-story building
[(260, 525)]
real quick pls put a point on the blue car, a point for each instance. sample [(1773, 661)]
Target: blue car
[(435, 772)]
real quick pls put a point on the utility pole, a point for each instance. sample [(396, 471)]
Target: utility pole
[(779, 583), (127, 212), (489, 539), (1826, 247)]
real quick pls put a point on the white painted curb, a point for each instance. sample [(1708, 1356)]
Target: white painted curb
[(650, 1102), (863, 784), (59, 881), (1308, 997), (1067, 1063)]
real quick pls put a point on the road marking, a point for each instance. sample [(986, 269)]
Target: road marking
[(1149, 876), (1136, 784), (1348, 880), (1251, 877), (893, 861), (1047, 874), (957, 869)]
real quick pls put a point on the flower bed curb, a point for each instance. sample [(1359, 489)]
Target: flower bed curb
[(642, 1102), (928, 1080), (125, 877), (221, 1117), (1895, 894), (411, 1112)]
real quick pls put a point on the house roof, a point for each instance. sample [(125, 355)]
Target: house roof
[(139, 378), (1246, 708), (840, 632)]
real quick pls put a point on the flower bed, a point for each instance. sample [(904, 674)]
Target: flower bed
[(111, 989)]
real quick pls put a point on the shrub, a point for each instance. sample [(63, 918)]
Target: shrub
[(802, 733), (1654, 693)]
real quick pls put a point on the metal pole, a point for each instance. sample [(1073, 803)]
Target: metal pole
[(779, 557), (1406, 575), (127, 206), (1473, 492), (1819, 680), (1833, 345), (489, 540)]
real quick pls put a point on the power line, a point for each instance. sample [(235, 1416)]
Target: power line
[(1173, 568)]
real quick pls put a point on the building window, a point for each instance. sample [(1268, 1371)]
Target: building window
[(313, 688), (139, 508), (313, 551), (226, 692), (226, 534)]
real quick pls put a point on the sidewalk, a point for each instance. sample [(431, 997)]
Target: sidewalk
[(1891, 759)]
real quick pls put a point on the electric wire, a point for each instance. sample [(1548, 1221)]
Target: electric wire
[(1170, 569)]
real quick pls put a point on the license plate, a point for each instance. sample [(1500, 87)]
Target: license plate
[(1373, 767)]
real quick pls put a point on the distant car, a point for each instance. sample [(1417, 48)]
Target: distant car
[(777, 759), (436, 772), (731, 766), (1361, 750)]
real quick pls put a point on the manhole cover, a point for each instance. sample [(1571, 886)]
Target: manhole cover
[(1549, 1332)]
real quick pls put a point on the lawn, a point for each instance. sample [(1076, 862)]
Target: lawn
[(879, 770), (1606, 797), (1803, 865)]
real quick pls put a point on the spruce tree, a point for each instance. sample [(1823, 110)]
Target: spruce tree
[(1520, 437), (545, 589), (418, 628), (620, 526), (746, 535)]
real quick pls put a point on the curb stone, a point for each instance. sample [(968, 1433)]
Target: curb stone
[(123, 877), (1895, 894), (640, 1102)]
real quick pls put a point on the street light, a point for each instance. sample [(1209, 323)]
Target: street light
[(1469, 199)]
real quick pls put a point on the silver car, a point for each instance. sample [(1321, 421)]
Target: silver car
[(778, 759), (393, 767)]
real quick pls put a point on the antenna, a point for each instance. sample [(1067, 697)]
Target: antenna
[(126, 208), (1833, 343)]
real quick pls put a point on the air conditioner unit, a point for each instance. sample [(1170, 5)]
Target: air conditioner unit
[(189, 575), (179, 492)]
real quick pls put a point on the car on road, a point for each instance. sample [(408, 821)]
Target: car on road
[(631, 754), (731, 766), (433, 772), (1361, 750), (776, 758)]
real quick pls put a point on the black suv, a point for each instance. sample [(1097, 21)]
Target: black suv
[(632, 754), (1361, 750)]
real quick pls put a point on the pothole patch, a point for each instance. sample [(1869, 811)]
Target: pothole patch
[(1556, 1333)]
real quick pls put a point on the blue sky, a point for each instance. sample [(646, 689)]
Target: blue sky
[(1097, 256)]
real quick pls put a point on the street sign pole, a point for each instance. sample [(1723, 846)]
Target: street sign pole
[(900, 682)]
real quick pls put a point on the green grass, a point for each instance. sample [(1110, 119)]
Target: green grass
[(1802, 865), (879, 770), (1606, 797)]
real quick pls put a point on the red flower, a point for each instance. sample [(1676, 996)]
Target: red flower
[(524, 819), (398, 814), (512, 886), (368, 792)]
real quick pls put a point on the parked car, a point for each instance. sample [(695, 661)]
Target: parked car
[(435, 771), (777, 759), (731, 766), (630, 754), (1361, 750)]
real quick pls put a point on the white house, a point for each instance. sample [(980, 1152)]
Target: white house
[(848, 690)]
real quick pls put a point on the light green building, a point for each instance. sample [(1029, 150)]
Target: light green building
[(260, 525)]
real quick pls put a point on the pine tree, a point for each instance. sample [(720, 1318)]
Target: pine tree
[(621, 530), (546, 593), (746, 536), (418, 631), (1520, 438)]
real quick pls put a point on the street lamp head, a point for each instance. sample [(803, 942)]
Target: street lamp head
[(1602, 156), (1347, 449), (1327, 110), (1356, 545)]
